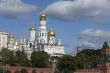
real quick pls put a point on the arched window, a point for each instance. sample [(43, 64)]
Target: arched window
[(42, 34), (30, 45)]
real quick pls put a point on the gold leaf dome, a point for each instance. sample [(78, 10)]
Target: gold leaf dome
[(51, 33), (42, 16), (11, 36)]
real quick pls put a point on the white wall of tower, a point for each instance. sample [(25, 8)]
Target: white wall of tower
[(42, 31), (3, 40), (32, 35)]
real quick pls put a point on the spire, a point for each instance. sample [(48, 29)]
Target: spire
[(105, 45), (78, 46)]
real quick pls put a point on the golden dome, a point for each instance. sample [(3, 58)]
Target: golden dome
[(3, 33), (32, 28), (11, 36), (42, 16), (51, 33)]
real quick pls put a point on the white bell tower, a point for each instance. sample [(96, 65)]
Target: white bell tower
[(42, 29), (32, 33)]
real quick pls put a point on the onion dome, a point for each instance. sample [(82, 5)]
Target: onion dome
[(32, 28), (42, 16), (11, 36), (51, 33)]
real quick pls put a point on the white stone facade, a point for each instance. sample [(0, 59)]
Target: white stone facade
[(3, 40)]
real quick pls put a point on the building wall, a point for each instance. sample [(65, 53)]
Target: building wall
[(29, 69), (54, 50), (3, 40), (87, 71)]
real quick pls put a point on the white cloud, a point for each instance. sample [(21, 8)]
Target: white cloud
[(14, 8), (97, 10), (91, 38), (96, 33)]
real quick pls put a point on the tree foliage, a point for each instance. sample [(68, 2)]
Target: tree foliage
[(66, 64), (40, 59), (21, 58), (7, 56), (87, 58)]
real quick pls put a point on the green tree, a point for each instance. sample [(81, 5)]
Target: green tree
[(7, 56), (40, 59), (23, 71), (81, 61), (88, 58), (66, 64), (21, 58)]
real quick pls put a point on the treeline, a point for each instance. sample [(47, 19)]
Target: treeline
[(19, 58), (87, 58)]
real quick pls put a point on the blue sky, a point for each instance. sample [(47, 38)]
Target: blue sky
[(67, 17)]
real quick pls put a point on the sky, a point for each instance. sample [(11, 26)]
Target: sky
[(86, 21)]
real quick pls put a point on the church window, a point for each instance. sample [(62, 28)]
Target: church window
[(30, 45), (42, 34)]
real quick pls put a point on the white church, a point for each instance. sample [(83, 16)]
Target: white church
[(42, 40)]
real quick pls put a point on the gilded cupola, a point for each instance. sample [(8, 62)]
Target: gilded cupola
[(51, 33), (10, 38), (42, 16)]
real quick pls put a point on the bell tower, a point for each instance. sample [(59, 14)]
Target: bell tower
[(32, 33), (42, 29)]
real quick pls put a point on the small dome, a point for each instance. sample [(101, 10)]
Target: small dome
[(11, 36), (32, 28), (42, 16), (51, 33)]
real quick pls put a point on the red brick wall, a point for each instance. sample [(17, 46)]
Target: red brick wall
[(87, 71), (29, 69)]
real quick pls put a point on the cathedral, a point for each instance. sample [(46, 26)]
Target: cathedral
[(42, 40)]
